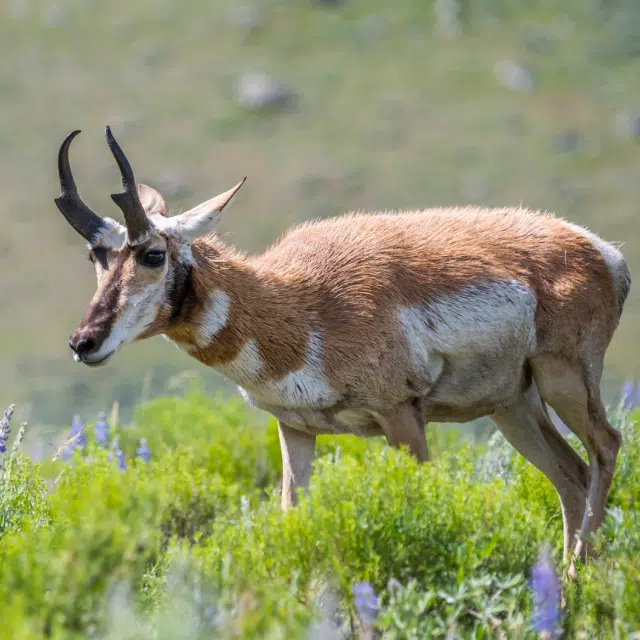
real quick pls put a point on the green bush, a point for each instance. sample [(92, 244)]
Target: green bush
[(194, 544)]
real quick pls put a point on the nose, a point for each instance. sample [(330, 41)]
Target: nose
[(81, 345)]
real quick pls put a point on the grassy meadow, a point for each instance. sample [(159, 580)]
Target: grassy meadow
[(527, 104), (170, 527)]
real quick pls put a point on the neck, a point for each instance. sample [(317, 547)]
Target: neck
[(240, 318)]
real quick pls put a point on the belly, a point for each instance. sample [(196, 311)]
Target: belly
[(333, 420)]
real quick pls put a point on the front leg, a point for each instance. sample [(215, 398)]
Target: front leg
[(298, 450)]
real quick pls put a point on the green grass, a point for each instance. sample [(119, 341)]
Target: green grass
[(194, 544), (407, 119)]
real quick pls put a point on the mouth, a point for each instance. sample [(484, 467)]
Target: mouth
[(98, 362)]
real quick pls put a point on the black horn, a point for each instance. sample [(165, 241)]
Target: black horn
[(80, 217), (138, 225)]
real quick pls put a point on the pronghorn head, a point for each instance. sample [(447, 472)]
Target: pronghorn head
[(141, 267)]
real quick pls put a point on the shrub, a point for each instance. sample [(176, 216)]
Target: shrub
[(22, 492), (193, 544)]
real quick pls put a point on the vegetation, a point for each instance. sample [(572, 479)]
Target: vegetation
[(171, 528), (164, 523)]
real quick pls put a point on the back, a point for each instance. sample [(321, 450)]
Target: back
[(416, 257)]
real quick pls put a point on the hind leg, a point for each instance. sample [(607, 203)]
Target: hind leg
[(573, 392), (557, 442), (527, 427)]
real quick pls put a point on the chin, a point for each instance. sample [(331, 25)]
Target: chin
[(95, 363)]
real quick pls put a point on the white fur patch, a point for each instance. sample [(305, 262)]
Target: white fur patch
[(112, 236), (140, 311), (172, 228), (482, 319), (305, 388), (611, 255), (245, 368), (215, 318)]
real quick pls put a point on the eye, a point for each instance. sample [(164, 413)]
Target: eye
[(153, 258)]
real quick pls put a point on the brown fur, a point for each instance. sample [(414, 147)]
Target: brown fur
[(347, 275)]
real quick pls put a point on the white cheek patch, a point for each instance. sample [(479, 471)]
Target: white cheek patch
[(138, 312), (215, 318)]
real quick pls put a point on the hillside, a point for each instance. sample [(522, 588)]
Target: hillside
[(379, 107)]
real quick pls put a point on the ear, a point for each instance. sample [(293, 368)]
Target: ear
[(203, 219), (152, 201)]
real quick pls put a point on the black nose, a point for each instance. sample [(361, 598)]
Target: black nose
[(82, 346)]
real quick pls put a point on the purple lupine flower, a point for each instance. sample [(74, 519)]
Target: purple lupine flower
[(366, 602), (5, 428), (628, 394), (118, 454), (143, 452), (77, 429), (101, 429), (78, 438), (546, 595)]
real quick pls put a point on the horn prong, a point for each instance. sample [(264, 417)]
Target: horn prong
[(138, 224)]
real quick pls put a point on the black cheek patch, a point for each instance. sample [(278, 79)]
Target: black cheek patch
[(179, 288)]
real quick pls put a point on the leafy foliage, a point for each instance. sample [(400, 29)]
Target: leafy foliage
[(191, 542)]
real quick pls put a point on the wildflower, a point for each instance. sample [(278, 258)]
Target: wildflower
[(78, 438), (77, 431), (143, 452), (366, 602), (118, 454), (628, 392), (101, 429), (19, 437), (5, 428), (546, 595)]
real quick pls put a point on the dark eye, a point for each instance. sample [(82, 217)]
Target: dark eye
[(153, 258)]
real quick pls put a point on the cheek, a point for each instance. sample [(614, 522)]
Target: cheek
[(144, 281)]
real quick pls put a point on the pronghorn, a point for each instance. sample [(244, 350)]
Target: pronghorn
[(373, 324)]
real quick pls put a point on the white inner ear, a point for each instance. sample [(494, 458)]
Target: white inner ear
[(203, 219), (151, 200)]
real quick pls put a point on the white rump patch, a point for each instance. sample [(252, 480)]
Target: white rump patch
[(215, 318), (611, 255)]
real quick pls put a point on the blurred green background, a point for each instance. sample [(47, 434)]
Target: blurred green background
[(327, 106)]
